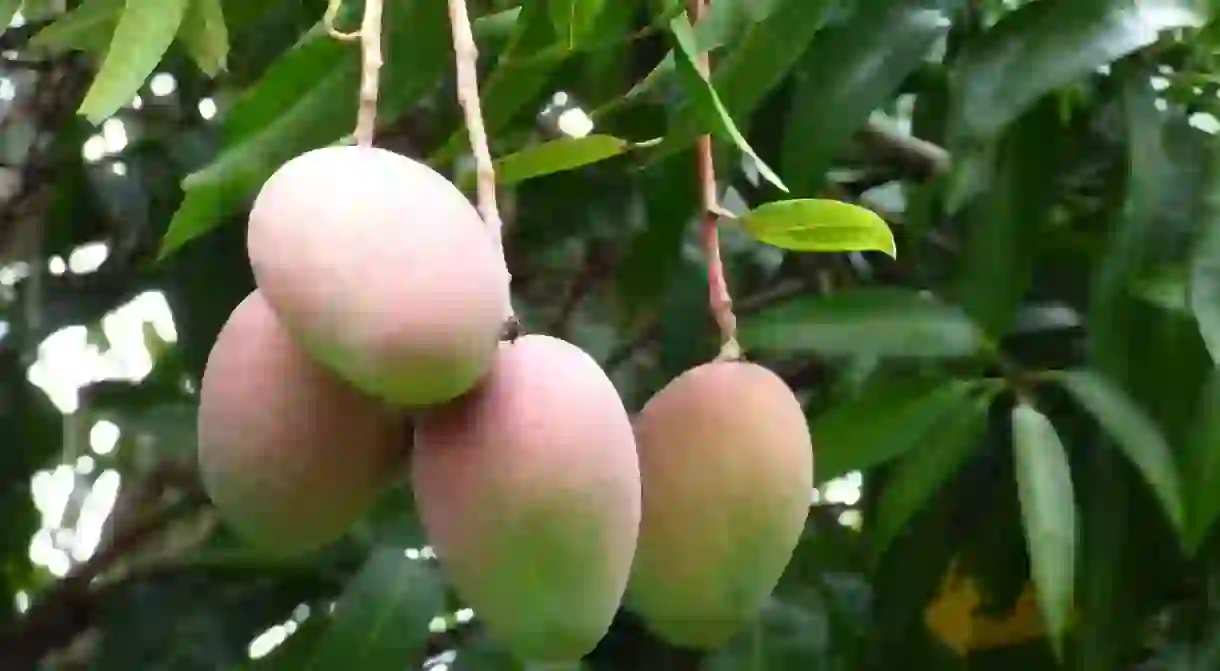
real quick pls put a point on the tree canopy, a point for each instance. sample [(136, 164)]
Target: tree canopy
[(980, 239)]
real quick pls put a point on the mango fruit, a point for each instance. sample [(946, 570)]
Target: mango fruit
[(528, 489), (382, 269), (726, 468), (290, 454)]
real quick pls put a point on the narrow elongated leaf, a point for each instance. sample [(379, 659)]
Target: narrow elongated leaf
[(706, 103), (557, 156), (762, 58), (1045, 45), (205, 35), (849, 71), (886, 420), (1007, 222), (382, 618), (1134, 433), (936, 454), (145, 31), (1203, 457), (880, 322), (8, 9), (819, 225), (308, 100), (1204, 289), (1048, 511), (87, 28), (574, 19)]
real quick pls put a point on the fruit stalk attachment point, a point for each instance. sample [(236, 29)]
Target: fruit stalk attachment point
[(467, 54), (369, 35), (719, 299)]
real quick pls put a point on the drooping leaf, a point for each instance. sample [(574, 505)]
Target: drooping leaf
[(713, 115), (1204, 288), (1045, 45), (849, 71), (1135, 434), (8, 9), (205, 35), (1006, 223), (937, 452), (381, 621), (557, 156), (1203, 460), (1048, 513), (761, 59), (145, 31), (819, 225), (887, 419), (881, 322), (574, 19), (87, 28)]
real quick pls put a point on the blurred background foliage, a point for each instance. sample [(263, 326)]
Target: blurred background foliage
[(1017, 419)]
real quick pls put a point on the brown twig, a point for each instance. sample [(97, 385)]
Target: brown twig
[(372, 60), (719, 298)]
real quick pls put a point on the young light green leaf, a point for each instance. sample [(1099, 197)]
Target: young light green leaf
[(8, 9), (819, 225), (879, 322), (557, 156), (937, 453), (145, 31), (1135, 433), (1048, 511), (382, 617), (573, 20), (887, 419), (87, 28), (705, 100), (205, 35)]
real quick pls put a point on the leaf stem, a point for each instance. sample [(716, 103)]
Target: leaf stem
[(466, 54), (719, 298)]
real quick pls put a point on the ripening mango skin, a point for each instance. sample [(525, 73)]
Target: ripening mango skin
[(382, 269), (529, 490), (726, 465), (289, 453)]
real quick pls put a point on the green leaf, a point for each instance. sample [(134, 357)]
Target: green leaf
[(758, 63), (8, 9), (1203, 457), (144, 33), (87, 28), (1136, 435), (307, 100), (573, 20), (820, 225), (848, 72), (706, 102), (880, 322), (205, 35), (1048, 510), (936, 453), (381, 621), (1004, 227), (888, 418), (1204, 287), (1043, 46), (557, 156)]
